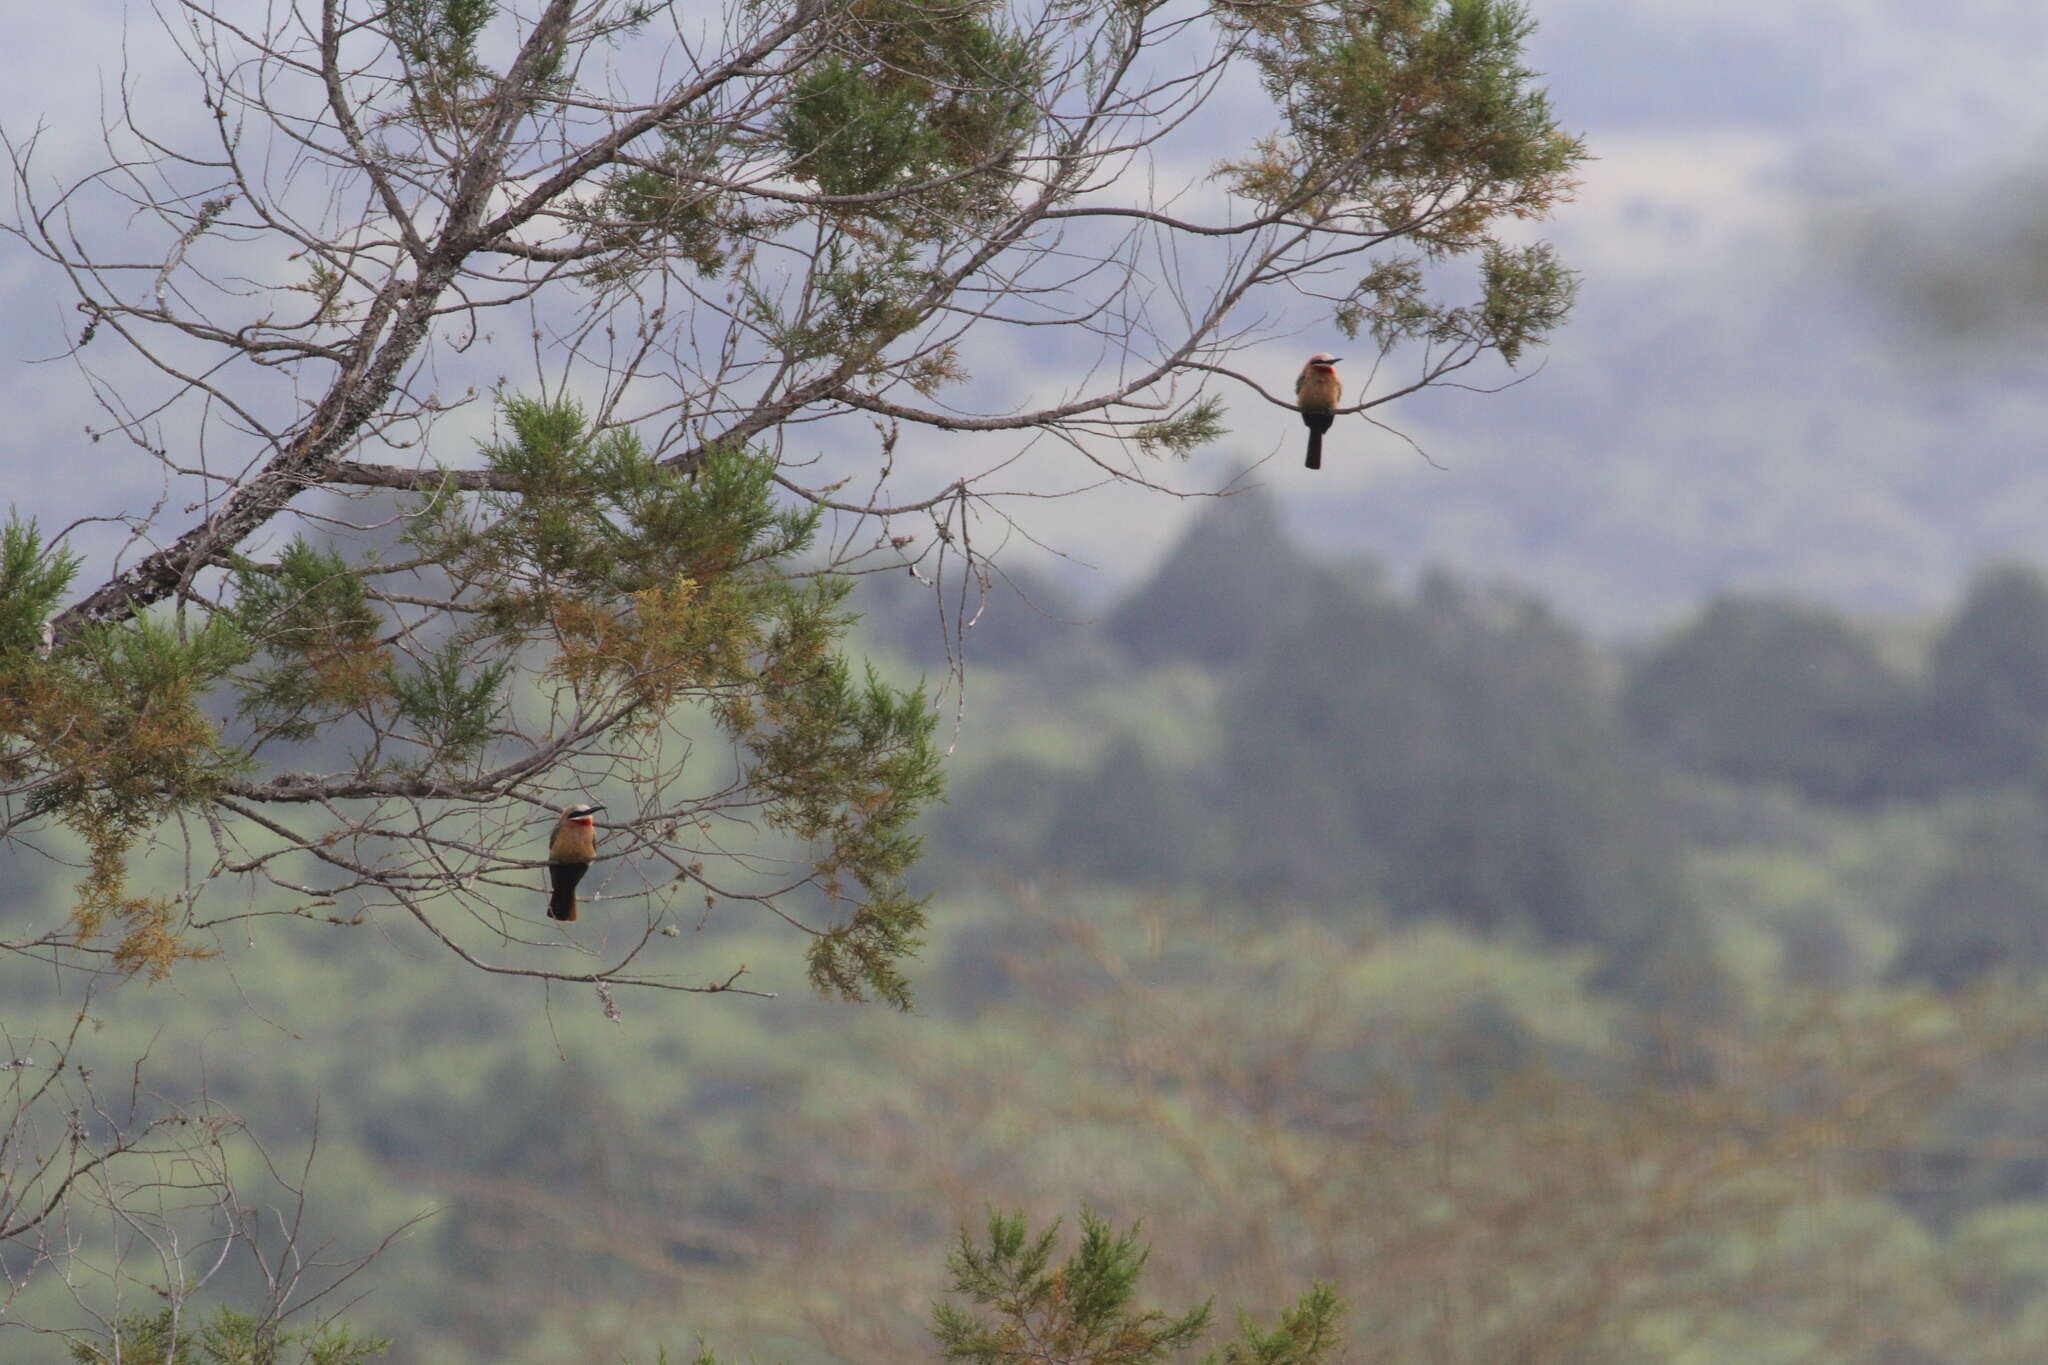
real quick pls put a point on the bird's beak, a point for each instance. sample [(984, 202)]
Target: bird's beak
[(590, 810)]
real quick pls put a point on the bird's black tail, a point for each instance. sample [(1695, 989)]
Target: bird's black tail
[(1317, 423), (562, 902)]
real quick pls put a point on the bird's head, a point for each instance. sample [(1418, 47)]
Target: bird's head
[(580, 813), (1323, 360)]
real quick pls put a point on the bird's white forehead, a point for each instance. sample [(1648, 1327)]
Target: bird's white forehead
[(1322, 358)]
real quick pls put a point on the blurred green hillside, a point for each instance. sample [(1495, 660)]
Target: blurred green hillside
[(1556, 1000)]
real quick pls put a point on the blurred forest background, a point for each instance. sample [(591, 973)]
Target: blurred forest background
[(1556, 998), (1648, 982)]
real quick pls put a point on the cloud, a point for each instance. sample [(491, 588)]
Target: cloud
[(1962, 276)]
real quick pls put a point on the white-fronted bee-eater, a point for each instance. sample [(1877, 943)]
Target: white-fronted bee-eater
[(1317, 393), (569, 856)]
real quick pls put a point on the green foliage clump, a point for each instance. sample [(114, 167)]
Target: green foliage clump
[(917, 108), (323, 640), (438, 39), (440, 35), (657, 588), (107, 735), (1525, 294), (851, 768), (863, 299), (639, 597), (1185, 432), (645, 215), (590, 519), (1398, 103), (908, 126), (1305, 1334), (1419, 118), (451, 701), (31, 585), (1023, 1308), (123, 744), (1079, 1310), (310, 614), (227, 1338)]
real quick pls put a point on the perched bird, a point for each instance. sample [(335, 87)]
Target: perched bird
[(569, 855), (1317, 394)]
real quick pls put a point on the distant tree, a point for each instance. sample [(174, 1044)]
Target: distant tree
[(1986, 909), (1983, 717), (1131, 820), (1488, 1162), (1013, 618), (1001, 814), (1761, 689), (1233, 579), (440, 601), (1818, 949), (1456, 755)]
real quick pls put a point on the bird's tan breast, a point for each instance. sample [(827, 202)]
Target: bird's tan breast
[(1318, 388), (574, 843)]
